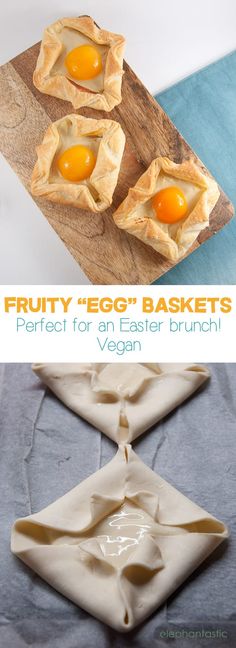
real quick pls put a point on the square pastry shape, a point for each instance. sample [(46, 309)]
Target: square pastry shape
[(104, 137), (118, 556), (122, 400), (51, 75), (137, 216)]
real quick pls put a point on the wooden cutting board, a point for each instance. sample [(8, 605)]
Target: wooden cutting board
[(106, 254)]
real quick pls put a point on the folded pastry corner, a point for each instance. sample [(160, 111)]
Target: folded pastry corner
[(79, 162), (122, 400), (91, 76), (118, 557), (169, 206)]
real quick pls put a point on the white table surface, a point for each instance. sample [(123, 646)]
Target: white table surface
[(165, 42)]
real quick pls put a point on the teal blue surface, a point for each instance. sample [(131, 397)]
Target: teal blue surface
[(203, 108)]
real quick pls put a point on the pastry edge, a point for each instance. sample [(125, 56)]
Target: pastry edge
[(146, 229), (59, 86)]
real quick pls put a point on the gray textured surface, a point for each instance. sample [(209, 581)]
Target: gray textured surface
[(46, 450)]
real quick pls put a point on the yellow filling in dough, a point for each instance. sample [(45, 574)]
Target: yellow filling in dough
[(71, 39), (191, 195)]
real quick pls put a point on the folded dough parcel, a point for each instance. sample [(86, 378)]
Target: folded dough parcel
[(123, 540)]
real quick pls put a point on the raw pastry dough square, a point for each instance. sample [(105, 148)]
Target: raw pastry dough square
[(105, 137), (51, 76), (119, 543), (122, 399), (137, 216)]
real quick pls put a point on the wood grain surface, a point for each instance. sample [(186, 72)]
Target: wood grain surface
[(106, 254)]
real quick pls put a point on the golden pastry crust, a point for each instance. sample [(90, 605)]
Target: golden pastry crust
[(95, 193), (58, 85), (149, 230)]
